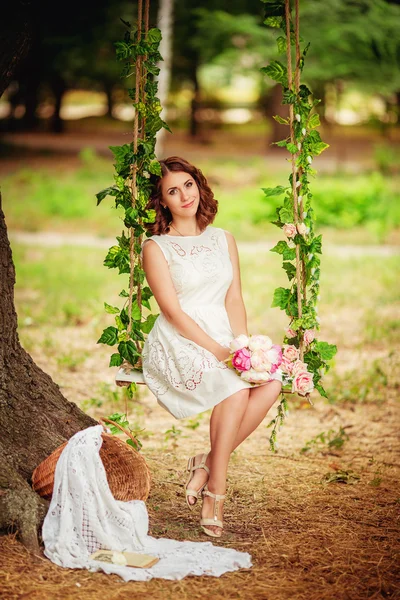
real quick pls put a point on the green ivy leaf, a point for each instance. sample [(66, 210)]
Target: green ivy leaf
[(275, 191), (325, 350), (276, 71), (111, 310), (316, 245), (128, 350), (318, 148), (314, 121), (289, 97), (131, 215), (290, 270), (281, 298), (118, 321), (289, 253), (116, 360), (110, 191), (321, 390), (147, 325), (281, 43), (154, 35), (285, 215), (155, 168), (109, 336), (136, 314), (275, 22), (280, 247), (281, 120), (293, 149)]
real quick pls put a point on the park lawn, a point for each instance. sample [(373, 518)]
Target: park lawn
[(361, 208)]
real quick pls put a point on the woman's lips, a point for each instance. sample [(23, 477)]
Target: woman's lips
[(188, 205)]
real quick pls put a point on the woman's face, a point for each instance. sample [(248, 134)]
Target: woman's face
[(180, 194)]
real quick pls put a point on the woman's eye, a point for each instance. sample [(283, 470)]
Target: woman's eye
[(189, 184)]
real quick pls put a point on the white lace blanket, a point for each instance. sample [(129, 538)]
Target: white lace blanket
[(84, 517)]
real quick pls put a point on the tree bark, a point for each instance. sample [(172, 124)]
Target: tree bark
[(35, 418)]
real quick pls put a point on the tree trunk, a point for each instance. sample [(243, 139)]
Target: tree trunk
[(165, 25), (35, 418), (108, 88), (194, 125), (59, 88)]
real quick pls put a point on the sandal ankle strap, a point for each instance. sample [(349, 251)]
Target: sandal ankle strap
[(202, 464)]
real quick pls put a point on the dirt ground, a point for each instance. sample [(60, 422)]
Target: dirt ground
[(308, 539)]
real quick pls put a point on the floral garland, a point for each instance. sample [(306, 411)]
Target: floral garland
[(304, 356)]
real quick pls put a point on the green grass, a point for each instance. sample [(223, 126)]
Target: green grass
[(363, 208)]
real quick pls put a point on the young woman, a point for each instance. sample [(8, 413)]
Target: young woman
[(192, 269)]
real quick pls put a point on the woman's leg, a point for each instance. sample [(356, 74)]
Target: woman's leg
[(260, 401), (225, 421)]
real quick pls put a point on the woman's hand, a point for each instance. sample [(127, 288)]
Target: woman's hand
[(222, 353)]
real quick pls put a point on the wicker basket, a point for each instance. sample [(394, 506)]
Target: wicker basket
[(127, 473)]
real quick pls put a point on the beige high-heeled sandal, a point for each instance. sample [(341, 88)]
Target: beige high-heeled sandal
[(191, 467), (214, 521)]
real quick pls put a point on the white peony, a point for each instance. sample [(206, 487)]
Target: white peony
[(241, 341), (259, 342)]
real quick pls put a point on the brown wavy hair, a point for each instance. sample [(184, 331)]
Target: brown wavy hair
[(208, 205)]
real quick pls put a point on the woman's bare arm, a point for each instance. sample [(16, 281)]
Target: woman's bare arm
[(234, 301), (160, 282)]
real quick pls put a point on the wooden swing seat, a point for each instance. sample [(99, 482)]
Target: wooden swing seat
[(125, 376)]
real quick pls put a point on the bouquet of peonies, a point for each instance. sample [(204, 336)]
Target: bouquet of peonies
[(255, 359)]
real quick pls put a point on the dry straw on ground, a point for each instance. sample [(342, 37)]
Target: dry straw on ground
[(308, 540)]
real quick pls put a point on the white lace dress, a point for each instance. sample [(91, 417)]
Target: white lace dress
[(186, 378)]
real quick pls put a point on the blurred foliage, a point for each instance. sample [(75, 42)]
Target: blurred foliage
[(354, 42), (64, 200)]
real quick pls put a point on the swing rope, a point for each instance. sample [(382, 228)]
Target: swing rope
[(139, 124), (295, 174)]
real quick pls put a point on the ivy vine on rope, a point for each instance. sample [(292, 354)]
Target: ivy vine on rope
[(301, 249), (134, 162)]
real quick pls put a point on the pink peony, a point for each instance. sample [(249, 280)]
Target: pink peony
[(289, 230), (275, 355), (299, 367), (309, 336), (239, 342), (290, 333), (303, 383), (259, 342), (241, 360), (290, 352), (260, 361), (286, 365)]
